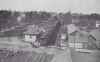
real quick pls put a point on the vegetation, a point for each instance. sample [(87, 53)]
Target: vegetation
[(10, 18), (91, 16)]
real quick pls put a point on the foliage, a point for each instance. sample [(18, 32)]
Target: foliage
[(9, 18)]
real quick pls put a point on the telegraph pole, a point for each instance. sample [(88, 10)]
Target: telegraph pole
[(3, 42), (20, 46), (74, 42)]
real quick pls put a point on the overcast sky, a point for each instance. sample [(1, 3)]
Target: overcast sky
[(76, 6)]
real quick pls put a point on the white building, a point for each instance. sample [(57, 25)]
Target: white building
[(31, 34), (97, 24)]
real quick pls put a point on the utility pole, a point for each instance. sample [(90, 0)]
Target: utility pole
[(3, 42), (20, 46), (74, 42)]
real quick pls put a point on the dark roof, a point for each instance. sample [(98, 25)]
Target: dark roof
[(69, 55), (31, 57), (95, 34), (31, 30), (46, 33)]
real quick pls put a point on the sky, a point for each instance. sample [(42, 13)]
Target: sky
[(76, 6)]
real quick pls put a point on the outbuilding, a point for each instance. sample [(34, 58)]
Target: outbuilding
[(31, 34)]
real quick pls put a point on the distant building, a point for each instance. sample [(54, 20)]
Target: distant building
[(31, 34), (75, 15), (67, 18), (75, 21), (97, 24)]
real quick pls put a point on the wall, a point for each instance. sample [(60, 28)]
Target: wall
[(97, 25), (30, 38), (78, 45)]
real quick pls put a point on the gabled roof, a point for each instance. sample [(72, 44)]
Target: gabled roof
[(95, 34), (71, 29), (31, 30), (69, 55)]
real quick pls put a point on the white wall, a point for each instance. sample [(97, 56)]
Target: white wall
[(77, 45), (33, 38), (97, 25), (30, 38), (27, 37)]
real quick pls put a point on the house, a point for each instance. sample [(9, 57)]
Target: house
[(76, 37), (97, 24), (96, 36), (31, 34), (76, 21), (69, 55)]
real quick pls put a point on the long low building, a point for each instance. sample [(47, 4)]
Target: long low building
[(49, 37)]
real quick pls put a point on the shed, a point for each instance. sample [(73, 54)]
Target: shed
[(31, 34)]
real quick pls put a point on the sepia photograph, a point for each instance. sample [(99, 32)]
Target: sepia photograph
[(49, 31)]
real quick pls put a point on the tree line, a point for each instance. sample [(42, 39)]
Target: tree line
[(91, 16), (10, 18)]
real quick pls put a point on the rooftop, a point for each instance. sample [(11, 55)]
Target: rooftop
[(96, 34), (31, 30), (71, 28), (69, 55)]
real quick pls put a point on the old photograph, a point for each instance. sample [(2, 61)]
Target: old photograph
[(49, 31)]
